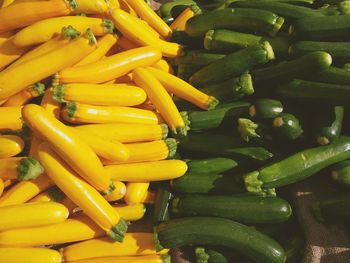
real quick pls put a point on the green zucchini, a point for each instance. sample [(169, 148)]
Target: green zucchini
[(333, 75), (247, 209), (258, 132), (210, 166), (227, 40), (209, 256), (341, 172), (329, 125), (340, 51), (161, 205), (321, 28), (231, 89), (347, 66), (265, 109), (331, 2), (287, 70), (286, 10), (200, 120), (335, 209), (294, 247), (199, 183), (315, 91), (233, 65), (182, 38), (329, 10), (219, 232), (185, 71), (226, 146), (298, 166), (198, 57), (166, 9), (240, 19), (288, 125)]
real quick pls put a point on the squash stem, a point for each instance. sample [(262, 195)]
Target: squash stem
[(165, 130), (252, 182), (212, 103), (247, 129), (72, 108), (39, 88), (72, 4), (172, 147), (201, 255), (118, 231), (56, 194), (58, 93), (108, 25), (70, 32), (29, 169)]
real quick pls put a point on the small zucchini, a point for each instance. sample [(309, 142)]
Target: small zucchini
[(341, 172), (298, 166), (219, 232), (288, 125), (240, 19), (245, 208), (198, 57), (211, 166), (262, 109), (234, 64), (333, 75)]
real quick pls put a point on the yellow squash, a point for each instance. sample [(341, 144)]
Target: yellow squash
[(184, 90), (84, 113), (10, 118), (133, 29), (127, 133), (10, 145), (53, 194), (15, 79), (101, 94), (6, 3), (31, 215), (147, 14), (111, 67), (156, 171), (22, 14), (136, 192), (134, 244), (128, 259), (118, 193), (44, 30), (148, 151), (49, 104), (179, 23), (9, 52), (114, 4), (164, 65), (6, 36), (2, 186), (68, 145), (91, 7), (25, 95), (67, 33), (29, 255), (131, 212), (104, 148), (25, 190), (20, 168), (124, 5), (161, 99), (126, 44), (82, 194), (104, 44)]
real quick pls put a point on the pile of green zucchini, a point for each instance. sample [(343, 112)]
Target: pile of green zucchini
[(281, 70)]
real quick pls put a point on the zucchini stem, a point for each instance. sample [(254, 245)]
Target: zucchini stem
[(172, 147), (252, 182), (247, 129), (72, 108), (108, 25)]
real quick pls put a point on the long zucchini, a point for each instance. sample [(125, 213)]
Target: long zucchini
[(227, 146), (198, 183), (315, 91), (211, 166), (298, 166), (286, 10), (198, 57), (333, 75), (340, 51), (341, 172), (246, 19), (166, 9), (219, 232), (333, 210), (247, 209), (323, 27), (287, 70), (233, 64)]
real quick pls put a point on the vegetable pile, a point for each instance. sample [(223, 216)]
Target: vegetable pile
[(96, 98)]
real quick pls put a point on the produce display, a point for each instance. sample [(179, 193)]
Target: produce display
[(128, 133)]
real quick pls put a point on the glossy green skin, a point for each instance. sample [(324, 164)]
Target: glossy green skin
[(331, 131), (285, 10), (161, 205), (301, 165), (185, 71), (200, 120), (226, 146), (334, 75), (220, 232), (192, 183), (334, 209), (265, 109), (232, 65), (290, 128), (198, 57), (216, 257), (211, 165), (322, 28), (247, 209), (165, 9), (285, 71), (340, 51), (239, 19), (315, 91), (341, 172)]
